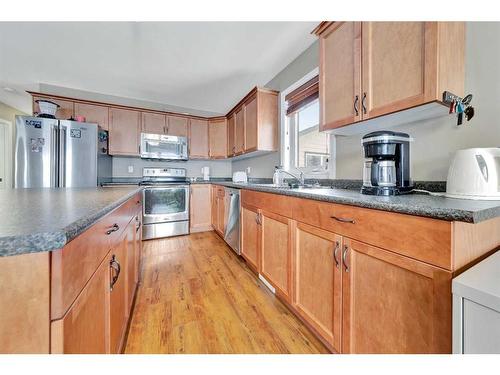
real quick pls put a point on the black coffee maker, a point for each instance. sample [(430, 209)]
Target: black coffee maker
[(387, 163)]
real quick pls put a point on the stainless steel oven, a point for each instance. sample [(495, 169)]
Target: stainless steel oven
[(165, 204), (167, 147)]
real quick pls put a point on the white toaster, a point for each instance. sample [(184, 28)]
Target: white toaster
[(240, 177), (475, 174)]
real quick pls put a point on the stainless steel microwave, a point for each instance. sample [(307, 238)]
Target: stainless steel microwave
[(167, 147)]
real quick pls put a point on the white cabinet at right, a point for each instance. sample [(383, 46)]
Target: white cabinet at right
[(476, 308)]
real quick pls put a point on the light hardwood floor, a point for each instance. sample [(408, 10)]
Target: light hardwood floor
[(196, 296)]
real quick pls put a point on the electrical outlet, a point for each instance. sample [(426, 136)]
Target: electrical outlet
[(130, 169), (249, 170)]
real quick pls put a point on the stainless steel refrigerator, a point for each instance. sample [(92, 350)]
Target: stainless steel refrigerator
[(59, 153)]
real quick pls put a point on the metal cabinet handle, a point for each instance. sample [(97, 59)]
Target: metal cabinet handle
[(114, 228), (115, 267), (356, 103), (344, 256), (343, 220), (337, 246), (363, 103), (258, 219)]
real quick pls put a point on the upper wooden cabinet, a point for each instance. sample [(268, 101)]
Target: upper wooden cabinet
[(65, 111), (98, 114), (239, 131), (177, 126), (217, 130), (124, 130), (154, 123), (370, 69), (198, 139), (256, 122), (231, 150), (251, 141)]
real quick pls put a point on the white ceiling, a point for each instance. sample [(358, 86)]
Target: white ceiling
[(206, 66)]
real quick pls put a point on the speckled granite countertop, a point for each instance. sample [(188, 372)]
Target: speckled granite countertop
[(35, 220), (412, 204)]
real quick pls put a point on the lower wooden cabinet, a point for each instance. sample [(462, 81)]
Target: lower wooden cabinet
[(131, 264), (275, 251), (83, 330), (250, 231), (318, 281), (219, 204), (200, 208), (118, 304), (393, 304)]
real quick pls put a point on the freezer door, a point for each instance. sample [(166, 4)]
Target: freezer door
[(78, 150), (36, 152)]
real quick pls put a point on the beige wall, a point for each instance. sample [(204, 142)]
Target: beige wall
[(437, 140)]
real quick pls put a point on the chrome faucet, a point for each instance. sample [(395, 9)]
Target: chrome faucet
[(300, 179)]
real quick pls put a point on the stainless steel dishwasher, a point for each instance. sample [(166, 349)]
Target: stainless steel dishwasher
[(232, 230)]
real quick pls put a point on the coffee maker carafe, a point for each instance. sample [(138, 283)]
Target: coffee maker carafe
[(387, 163)]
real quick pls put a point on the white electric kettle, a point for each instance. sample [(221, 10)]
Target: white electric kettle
[(475, 174)]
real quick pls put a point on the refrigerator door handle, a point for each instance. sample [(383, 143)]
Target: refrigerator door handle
[(62, 156), (54, 167)]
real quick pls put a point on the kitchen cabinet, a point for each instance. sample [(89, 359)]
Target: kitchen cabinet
[(230, 136), (198, 139), (131, 265), (118, 301), (239, 131), (393, 304), (275, 251), (154, 123), (177, 125), (370, 69), (65, 111), (251, 125), (83, 329), (124, 132), (318, 281), (250, 232), (340, 97), (200, 208), (219, 217), (218, 138), (93, 113), (138, 246)]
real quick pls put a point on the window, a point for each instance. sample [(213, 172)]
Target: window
[(305, 148)]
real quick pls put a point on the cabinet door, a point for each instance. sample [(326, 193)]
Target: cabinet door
[(84, 328), (177, 126), (65, 111), (221, 208), (275, 251), (198, 139), (239, 132), (317, 279), (395, 55), (117, 262), (251, 125), (93, 113), (340, 75), (200, 208), (138, 246), (393, 304), (250, 236), (214, 206), (153, 123), (218, 138), (131, 267), (230, 136), (124, 131)]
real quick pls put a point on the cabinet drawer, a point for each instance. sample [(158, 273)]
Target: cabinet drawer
[(75, 263), (275, 203), (428, 240)]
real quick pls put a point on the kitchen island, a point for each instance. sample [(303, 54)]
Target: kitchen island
[(69, 267)]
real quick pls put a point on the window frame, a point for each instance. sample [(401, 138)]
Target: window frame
[(287, 138)]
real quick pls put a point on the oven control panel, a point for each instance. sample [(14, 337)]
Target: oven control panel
[(163, 172)]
